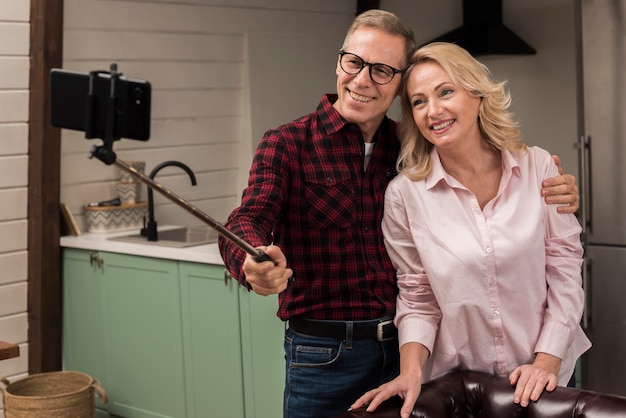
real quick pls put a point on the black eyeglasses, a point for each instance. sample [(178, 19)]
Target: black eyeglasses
[(379, 73)]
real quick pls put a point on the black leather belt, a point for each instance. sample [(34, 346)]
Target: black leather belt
[(381, 330)]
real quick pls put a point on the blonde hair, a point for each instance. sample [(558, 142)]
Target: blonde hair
[(497, 124), (386, 22)]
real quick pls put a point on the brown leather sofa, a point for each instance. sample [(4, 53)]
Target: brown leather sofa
[(467, 394)]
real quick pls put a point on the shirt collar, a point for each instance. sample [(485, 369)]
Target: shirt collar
[(510, 167), (330, 118), (333, 122)]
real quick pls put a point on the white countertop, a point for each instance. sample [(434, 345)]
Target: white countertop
[(207, 253)]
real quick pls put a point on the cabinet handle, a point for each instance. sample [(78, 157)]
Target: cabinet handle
[(94, 258), (586, 271), (227, 277), (584, 164)]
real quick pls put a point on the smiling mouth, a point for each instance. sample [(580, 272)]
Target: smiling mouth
[(359, 98), (442, 125)]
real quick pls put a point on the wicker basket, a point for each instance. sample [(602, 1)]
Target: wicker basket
[(52, 395)]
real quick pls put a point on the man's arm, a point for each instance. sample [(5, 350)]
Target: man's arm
[(256, 217)]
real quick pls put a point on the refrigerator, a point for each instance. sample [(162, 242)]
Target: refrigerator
[(601, 144)]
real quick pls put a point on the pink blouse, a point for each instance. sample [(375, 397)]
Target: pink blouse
[(486, 289)]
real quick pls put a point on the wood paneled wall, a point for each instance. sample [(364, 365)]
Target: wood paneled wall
[(196, 55), (14, 67)]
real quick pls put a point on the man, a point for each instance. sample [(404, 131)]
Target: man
[(314, 204)]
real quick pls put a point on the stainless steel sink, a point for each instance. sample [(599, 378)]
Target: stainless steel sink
[(176, 237)]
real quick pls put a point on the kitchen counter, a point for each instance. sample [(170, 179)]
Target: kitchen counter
[(207, 253)]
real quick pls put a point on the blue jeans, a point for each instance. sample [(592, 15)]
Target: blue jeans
[(572, 380), (324, 376)]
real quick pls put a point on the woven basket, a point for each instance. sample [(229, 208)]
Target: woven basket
[(52, 395)]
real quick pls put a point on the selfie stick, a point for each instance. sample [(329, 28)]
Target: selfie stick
[(106, 154), (108, 157), (258, 255)]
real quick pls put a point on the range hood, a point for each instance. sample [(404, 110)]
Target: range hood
[(483, 32)]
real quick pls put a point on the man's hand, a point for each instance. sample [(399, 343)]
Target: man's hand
[(268, 277), (562, 190), (532, 379)]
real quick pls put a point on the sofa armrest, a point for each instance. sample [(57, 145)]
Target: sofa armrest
[(443, 397), (462, 394)]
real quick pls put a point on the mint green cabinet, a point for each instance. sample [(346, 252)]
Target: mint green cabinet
[(212, 339), (83, 335), (263, 355), (143, 337), (171, 339), (122, 325)]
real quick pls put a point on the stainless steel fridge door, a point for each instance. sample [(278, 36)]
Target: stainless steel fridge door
[(604, 74), (604, 365)]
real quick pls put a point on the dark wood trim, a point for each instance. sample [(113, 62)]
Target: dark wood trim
[(9, 350), (363, 5), (44, 150)]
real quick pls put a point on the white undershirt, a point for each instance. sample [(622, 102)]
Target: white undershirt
[(369, 148)]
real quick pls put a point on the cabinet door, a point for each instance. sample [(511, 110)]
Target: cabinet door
[(263, 355), (83, 339), (143, 336), (213, 369)]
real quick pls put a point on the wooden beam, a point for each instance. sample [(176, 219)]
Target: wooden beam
[(44, 272), (363, 5)]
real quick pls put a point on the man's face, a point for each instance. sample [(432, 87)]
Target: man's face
[(361, 100)]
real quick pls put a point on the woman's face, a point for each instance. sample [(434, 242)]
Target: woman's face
[(446, 114)]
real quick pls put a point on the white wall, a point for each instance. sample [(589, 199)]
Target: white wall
[(543, 86), (221, 73), (14, 62)]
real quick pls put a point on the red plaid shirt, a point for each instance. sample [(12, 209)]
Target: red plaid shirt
[(308, 194)]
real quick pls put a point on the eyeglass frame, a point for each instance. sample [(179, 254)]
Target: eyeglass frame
[(364, 63)]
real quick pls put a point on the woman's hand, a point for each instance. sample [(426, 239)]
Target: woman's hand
[(532, 379), (407, 385)]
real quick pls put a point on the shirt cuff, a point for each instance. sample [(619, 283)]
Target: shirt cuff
[(416, 330)]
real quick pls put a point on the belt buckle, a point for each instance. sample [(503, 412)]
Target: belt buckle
[(380, 331)]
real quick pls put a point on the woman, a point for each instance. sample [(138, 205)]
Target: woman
[(488, 274)]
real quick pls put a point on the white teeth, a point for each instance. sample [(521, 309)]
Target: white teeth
[(360, 98), (442, 125)]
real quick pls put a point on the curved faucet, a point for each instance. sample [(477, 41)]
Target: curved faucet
[(150, 229)]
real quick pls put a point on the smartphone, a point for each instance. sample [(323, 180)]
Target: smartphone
[(87, 102)]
